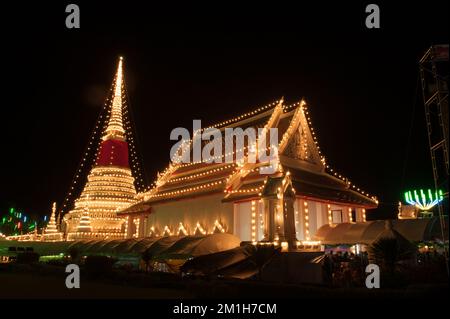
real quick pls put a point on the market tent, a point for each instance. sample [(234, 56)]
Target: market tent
[(158, 247), (334, 234), (193, 246), (389, 233), (179, 249), (141, 245), (414, 230), (211, 263)]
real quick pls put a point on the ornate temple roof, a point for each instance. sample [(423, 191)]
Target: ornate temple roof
[(298, 153)]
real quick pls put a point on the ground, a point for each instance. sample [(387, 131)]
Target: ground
[(48, 282), (21, 285)]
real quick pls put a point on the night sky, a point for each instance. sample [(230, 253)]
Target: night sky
[(212, 63)]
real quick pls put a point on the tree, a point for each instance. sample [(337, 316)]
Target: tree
[(389, 252)]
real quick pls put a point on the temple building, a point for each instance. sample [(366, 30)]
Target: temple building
[(285, 207), (110, 183)]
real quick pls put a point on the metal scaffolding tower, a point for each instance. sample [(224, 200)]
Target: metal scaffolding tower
[(434, 77)]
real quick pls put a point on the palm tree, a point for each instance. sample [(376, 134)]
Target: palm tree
[(389, 252), (390, 249)]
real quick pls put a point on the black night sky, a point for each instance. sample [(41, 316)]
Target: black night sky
[(211, 63)]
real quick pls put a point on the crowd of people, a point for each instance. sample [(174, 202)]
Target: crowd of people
[(430, 258), (345, 269)]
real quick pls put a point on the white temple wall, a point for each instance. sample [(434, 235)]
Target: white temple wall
[(248, 218), (300, 225), (318, 216), (190, 212), (359, 215), (313, 212), (242, 220)]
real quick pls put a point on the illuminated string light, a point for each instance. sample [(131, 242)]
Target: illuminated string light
[(185, 190), (218, 228), (253, 224), (330, 215), (182, 230), (305, 203), (199, 229), (167, 231), (137, 223), (193, 176)]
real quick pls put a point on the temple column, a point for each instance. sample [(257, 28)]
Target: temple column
[(141, 230), (266, 220), (270, 222), (279, 220), (129, 226), (289, 221)]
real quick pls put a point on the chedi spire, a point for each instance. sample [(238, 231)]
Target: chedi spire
[(110, 183)]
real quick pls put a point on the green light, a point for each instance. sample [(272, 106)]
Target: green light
[(407, 196), (416, 196), (421, 201), (422, 194)]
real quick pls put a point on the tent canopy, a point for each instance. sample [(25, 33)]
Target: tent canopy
[(169, 247), (415, 230), (158, 247)]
